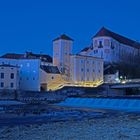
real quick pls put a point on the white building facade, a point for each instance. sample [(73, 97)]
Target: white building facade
[(62, 48), (29, 72), (80, 70), (113, 48), (86, 70), (9, 77)]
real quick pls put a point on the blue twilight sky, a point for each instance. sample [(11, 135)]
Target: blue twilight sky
[(31, 25)]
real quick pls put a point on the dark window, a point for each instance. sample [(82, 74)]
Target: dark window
[(100, 44), (12, 85), (112, 45), (52, 77), (87, 70), (82, 69), (33, 78), (95, 51), (12, 75), (2, 75), (2, 84)]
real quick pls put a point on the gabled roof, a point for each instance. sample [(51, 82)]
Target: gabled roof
[(85, 49), (12, 56), (64, 37), (111, 70), (50, 69), (105, 32), (28, 55), (8, 65), (42, 57)]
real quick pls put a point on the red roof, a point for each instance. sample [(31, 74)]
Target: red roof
[(28, 55), (13, 56), (105, 32)]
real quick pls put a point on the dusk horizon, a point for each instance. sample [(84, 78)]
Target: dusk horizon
[(32, 25)]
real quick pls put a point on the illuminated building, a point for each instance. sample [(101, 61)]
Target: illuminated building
[(79, 70), (113, 48)]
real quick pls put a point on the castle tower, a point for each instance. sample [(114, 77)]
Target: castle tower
[(62, 49)]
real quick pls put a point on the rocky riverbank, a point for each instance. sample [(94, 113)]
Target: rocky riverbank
[(118, 127)]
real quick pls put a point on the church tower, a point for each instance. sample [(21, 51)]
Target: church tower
[(62, 49)]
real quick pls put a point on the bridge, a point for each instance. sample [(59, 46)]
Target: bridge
[(131, 83)]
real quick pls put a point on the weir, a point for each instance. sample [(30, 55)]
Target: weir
[(130, 105)]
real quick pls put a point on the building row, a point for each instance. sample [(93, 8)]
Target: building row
[(89, 68), (39, 72)]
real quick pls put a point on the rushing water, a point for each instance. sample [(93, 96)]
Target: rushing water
[(131, 105)]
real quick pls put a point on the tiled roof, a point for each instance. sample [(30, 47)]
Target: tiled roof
[(111, 70), (12, 56), (50, 69), (28, 55), (43, 57), (105, 32), (64, 37), (8, 65), (85, 49)]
